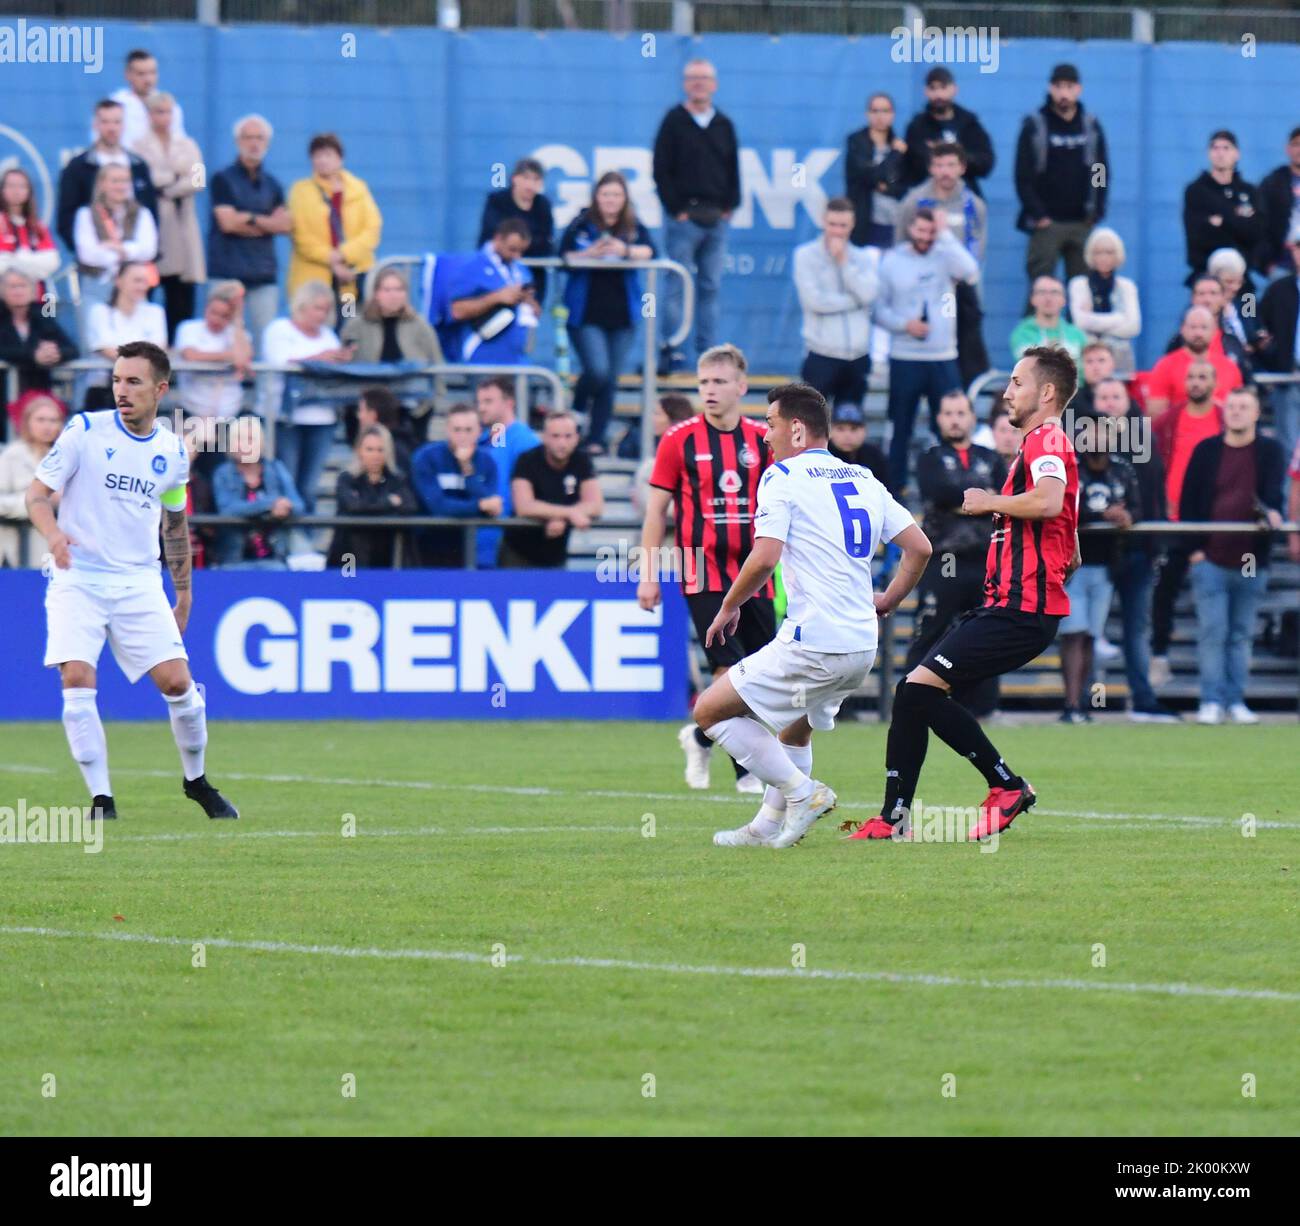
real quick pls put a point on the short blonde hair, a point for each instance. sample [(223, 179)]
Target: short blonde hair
[(727, 354), (1103, 234), (385, 436), (158, 99), (225, 291), (309, 292)]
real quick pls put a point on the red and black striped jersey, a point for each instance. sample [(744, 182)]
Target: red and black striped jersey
[(713, 477), (1028, 557)]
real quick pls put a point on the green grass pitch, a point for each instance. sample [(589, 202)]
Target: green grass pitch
[(943, 990)]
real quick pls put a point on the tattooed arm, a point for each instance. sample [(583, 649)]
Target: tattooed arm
[(176, 551)]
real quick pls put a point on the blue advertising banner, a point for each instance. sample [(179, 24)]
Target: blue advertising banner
[(387, 645)]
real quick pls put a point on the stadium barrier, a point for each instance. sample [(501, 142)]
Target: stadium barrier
[(650, 337), (436, 376), (517, 591)]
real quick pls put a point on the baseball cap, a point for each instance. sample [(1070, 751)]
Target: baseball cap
[(848, 414), (1064, 72), (939, 76)]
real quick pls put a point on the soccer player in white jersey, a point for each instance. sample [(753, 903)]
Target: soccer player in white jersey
[(823, 520), (118, 474)]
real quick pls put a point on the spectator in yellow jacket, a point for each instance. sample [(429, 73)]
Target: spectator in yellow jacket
[(336, 225)]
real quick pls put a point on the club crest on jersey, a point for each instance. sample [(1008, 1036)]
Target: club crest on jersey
[(110, 452), (159, 464), (747, 457), (570, 484), (730, 482)]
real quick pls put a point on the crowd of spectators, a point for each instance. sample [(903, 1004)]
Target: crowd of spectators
[(894, 281)]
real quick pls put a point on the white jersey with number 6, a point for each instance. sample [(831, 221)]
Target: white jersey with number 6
[(831, 517)]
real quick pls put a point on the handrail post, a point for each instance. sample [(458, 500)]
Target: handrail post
[(650, 369)]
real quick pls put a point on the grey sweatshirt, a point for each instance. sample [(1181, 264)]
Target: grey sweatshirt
[(910, 281), (836, 300)]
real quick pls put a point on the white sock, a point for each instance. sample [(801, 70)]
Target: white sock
[(768, 820), (773, 798), (86, 739), (190, 728), (760, 753)]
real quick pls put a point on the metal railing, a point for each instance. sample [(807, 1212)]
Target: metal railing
[(436, 374), (652, 268), (469, 528), (978, 385), (1146, 23)]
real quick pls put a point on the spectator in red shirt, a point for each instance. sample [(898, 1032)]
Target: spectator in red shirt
[(25, 242), (1165, 385), (1196, 418), (1208, 291), (1293, 505)]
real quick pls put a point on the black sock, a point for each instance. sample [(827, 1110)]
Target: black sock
[(909, 735), (701, 740), (741, 772), (957, 728)]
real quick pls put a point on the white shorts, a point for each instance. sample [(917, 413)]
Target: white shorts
[(137, 621), (783, 682)]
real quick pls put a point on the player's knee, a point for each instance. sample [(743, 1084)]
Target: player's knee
[(77, 675)]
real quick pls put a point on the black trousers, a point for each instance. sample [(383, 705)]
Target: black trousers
[(972, 356), (1171, 574), (941, 600), (840, 380), (178, 302)]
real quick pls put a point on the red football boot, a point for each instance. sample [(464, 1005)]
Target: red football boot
[(1001, 808), (876, 828)]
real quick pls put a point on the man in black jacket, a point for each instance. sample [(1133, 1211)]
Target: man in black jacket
[(1108, 494), (77, 182), (1220, 209), (1279, 197), (697, 176), (1278, 344), (1062, 177), (1236, 476), (943, 122), (525, 199), (954, 581)]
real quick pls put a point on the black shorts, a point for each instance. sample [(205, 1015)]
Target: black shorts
[(987, 642), (757, 627)]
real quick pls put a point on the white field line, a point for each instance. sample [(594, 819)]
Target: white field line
[(676, 968), (361, 833), (493, 789), (693, 797)]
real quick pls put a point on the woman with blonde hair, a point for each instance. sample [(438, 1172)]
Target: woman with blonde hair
[(372, 485), (175, 163), (42, 422), (604, 306), (389, 329), (303, 440), (110, 231), (1104, 304)]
